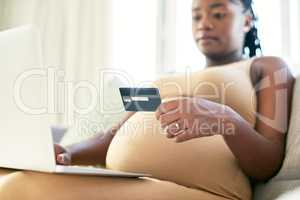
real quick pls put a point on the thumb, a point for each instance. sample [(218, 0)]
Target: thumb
[(64, 159), (59, 149)]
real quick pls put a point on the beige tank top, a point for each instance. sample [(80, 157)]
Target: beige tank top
[(204, 163)]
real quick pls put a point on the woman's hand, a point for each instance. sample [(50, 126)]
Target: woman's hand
[(62, 156), (188, 118)]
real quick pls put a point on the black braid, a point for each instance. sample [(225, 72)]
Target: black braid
[(252, 42)]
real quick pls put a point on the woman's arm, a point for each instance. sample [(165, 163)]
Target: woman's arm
[(260, 151), (93, 151)]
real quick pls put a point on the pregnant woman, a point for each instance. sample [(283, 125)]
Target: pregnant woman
[(217, 131)]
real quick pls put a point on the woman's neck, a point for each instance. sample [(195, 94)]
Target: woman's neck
[(223, 60)]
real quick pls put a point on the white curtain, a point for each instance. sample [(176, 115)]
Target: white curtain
[(74, 32), (75, 40)]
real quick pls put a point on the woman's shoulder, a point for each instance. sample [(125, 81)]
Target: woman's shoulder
[(268, 66), (269, 63)]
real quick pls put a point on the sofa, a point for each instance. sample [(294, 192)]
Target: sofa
[(16, 185)]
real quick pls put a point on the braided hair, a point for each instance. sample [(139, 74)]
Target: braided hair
[(252, 42)]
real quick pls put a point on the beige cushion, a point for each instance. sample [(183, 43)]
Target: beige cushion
[(276, 189), (291, 166), (289, 176)]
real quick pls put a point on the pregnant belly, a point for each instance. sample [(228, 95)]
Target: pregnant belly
[(204, 163)]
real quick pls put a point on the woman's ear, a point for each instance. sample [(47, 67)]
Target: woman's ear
[(248, 23)]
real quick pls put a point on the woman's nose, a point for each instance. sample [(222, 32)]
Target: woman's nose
[(205, 24)]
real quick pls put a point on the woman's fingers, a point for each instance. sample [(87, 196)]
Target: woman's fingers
[(175, 128), (62, 156), (173, 135), (58, 149), (63, 159), (169, 118), (186, 135), (169, 106)]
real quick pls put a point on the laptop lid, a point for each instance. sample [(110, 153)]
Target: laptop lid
[(25, 134)]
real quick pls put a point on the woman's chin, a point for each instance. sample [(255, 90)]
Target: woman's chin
[(210, 52)]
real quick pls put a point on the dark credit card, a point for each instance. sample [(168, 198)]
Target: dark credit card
[(140, 99)]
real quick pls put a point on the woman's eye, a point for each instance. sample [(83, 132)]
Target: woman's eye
[(196, 18), (219, 15)]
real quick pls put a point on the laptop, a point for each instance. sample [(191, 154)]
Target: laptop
[(26, 136)]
